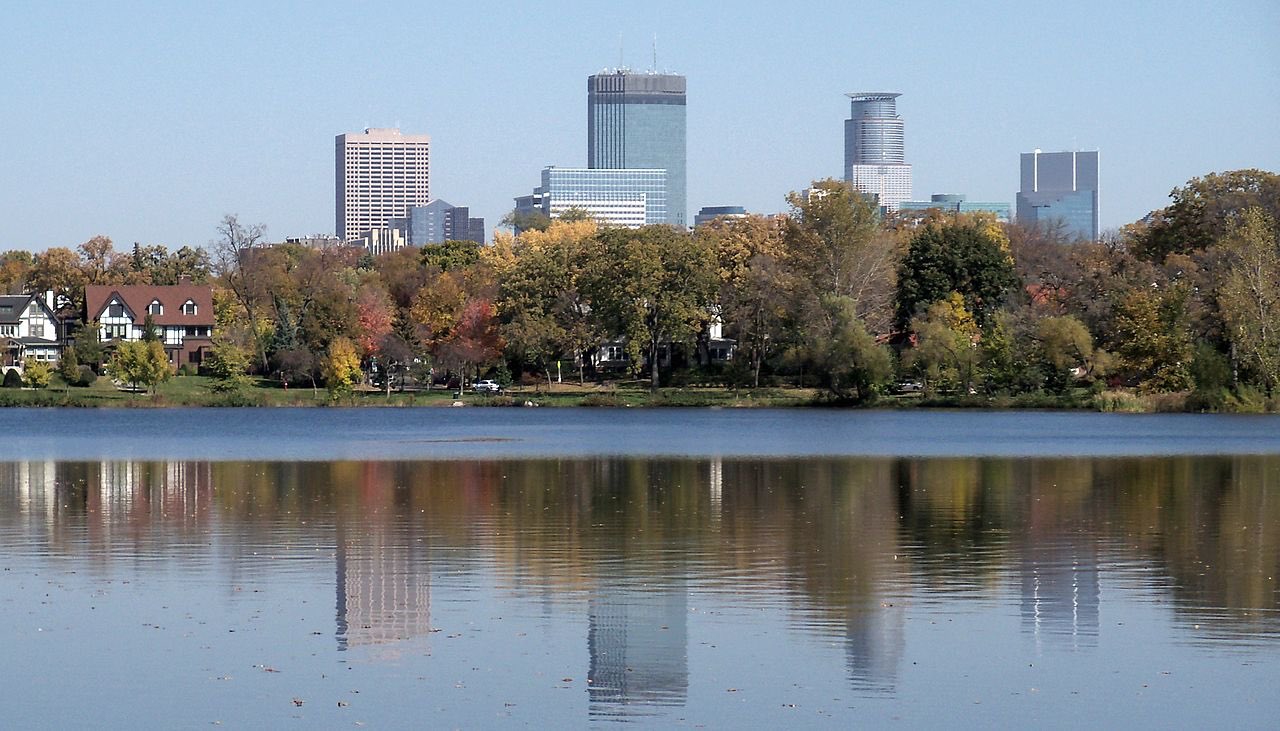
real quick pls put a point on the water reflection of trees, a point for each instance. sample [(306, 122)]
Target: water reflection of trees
[(846, 539)]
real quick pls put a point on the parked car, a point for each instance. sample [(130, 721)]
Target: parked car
[(486, 386)]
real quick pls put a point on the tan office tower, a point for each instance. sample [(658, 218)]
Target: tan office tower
[(380, 173)]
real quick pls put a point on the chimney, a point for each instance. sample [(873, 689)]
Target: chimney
[(48, 300), (184, 279)]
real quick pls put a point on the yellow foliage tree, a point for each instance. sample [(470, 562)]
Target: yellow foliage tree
[(342, 367)]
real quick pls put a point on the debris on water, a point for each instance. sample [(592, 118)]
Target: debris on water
[(298, 701), (343, 704)]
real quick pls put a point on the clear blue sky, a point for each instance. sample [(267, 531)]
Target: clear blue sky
[(148, 121)]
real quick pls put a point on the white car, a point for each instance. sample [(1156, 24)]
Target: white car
[(486, 386)]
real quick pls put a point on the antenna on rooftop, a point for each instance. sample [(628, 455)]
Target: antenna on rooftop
[(620, 61), (654, 69)]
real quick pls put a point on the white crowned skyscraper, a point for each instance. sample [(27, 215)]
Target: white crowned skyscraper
[(875, 159)]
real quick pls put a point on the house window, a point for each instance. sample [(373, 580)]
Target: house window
[(37, 329), (189, 308), (8, 330), (155, 308), (115, 311), (113, 331)]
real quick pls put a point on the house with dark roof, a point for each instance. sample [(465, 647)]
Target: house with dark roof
[(181, 313), (28, 329)]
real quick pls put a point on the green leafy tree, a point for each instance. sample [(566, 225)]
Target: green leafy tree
[(966, 255), (946, 351), (69, 367), (36, 373), (837, 346), (228, 365), (150, 331), (451, 255), (140, 364), (652, 286), (1204, 211), (1067, 345), (1152, 340), (88, 347)]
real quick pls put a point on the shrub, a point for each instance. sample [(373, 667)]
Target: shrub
[(36, 374), (85, 376), (12, 379)]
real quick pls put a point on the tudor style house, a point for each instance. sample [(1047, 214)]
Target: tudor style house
[(182, 314), (28, 329)]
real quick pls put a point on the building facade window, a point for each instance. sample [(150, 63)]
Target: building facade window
[(155, 308), (189, 308), (115, 311), (37, 329)]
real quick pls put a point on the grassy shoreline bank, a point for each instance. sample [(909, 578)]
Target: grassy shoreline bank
[(196, 391)]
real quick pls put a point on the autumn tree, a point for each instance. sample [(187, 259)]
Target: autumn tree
[(58, 270), (834, 245), (543, 308), (1250, 294), (15, 271), (341, 368), (755, 286), (1204, 210), (653, 286), (946, 351)]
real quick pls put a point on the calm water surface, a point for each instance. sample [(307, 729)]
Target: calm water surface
[(537, 568)]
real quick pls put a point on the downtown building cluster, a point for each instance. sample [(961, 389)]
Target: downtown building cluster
[(636, 173)]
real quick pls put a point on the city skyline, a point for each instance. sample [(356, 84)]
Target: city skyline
[(235, 104)]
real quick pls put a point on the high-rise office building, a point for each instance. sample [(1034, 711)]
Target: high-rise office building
[(379, 174), (440, 221), (637, 120), (1060, 187), (707, 214), (629, 198), (875, 158)]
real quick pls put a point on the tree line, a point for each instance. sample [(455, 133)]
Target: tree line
[(831, 295)]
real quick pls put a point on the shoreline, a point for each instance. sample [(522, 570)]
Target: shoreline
[(196, 392)]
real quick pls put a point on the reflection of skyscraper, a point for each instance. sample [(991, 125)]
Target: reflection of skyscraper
[(1060, 590), (874, 642), (637, 639), (384, 592), (875, 158)]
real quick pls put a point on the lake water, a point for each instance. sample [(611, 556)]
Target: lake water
[(432, 568)]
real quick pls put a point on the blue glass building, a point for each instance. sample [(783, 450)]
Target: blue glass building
[(637, 121), (617, 197), (957, 203), (1060, 187), (440, 221)]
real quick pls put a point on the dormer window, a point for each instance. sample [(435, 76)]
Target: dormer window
[(189, 308), (155, 308)]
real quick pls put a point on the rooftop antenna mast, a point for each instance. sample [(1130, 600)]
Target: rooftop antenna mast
[(654, 68), (621, 64)]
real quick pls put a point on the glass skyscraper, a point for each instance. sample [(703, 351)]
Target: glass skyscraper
[(875, 159), (1062, 187), (637, 120), (630, 198)]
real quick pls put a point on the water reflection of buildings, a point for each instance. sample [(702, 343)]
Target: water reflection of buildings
[(384, 592), (637, 637), (1060, 592)]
